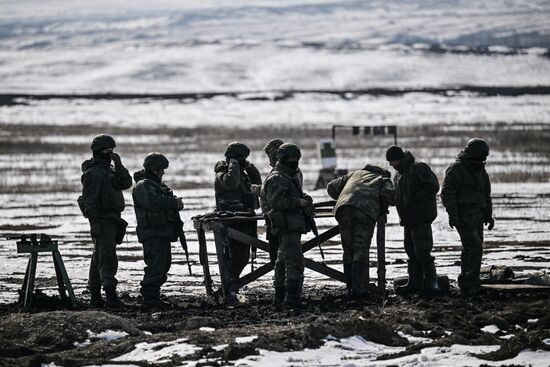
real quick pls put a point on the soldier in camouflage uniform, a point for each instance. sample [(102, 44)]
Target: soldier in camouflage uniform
[(270, 150), (415, 189), (466, 195), (360, 197), (102, 203), (158, 224), (234, 179), (285, 204)]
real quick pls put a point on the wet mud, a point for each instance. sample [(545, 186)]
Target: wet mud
[(52, 333)]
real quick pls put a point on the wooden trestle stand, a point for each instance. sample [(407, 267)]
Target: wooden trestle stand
[(33, 245), (222, 233)]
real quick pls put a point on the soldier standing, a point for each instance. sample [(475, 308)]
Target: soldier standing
[(285, 204), (158, 224), (466, 195), (234, 179), (360, 197), (270, 150), (415, 189), (102, 203)]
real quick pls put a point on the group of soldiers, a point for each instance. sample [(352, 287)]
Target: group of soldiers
[(361, 197)]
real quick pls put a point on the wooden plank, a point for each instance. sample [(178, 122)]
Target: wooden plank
[(60, 282), (66, 280), (517, 287), (30, 282), (203, 257), (29, 247), (222, 251), (381, 251), (325, 270), (323, 237), (25, 281), (250, 277)]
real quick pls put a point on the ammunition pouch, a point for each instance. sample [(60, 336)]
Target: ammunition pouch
[(120, 231)]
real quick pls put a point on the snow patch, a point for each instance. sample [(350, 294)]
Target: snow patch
[(245, 339), (491, 329), (160, 352)]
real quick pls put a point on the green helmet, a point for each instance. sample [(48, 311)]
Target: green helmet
[(287, 151), (102, 142), (272, 146), (236, 149), (477, 149), (155, 161)]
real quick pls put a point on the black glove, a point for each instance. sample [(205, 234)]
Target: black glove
[(490, 222)]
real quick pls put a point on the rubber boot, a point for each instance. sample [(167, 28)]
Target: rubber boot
[(279, 297), (347, 277), (415, 280), (96, 300), (293, 297), (358, 272), (430, 285), (112, 300)]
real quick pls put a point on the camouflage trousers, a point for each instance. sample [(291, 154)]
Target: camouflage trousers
[(356, 231), (239, 252), (104, 264), (472, 251), (157, 254), (289, 267), (279, 271), (418, 241)]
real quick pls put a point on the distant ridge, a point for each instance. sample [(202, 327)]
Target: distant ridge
[(7, 99)]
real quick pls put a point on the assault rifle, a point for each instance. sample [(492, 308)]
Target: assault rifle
[(309, 211), (183, 242)]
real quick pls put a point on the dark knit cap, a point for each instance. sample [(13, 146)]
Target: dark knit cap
[(394, 153)]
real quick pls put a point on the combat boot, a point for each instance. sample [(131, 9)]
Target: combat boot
[(96, 300), (112, 300), (293, 297), (430, 285), (279, 297), (348, 277), (415, 280), (358, 272)]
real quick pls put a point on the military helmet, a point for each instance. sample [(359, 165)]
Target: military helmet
[(394, 153), (102, 142), (272, 146), (236, 149), (155, 161), (287, 151), (477, 149)]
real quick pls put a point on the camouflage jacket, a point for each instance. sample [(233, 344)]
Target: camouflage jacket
[(233, 185), (416, 187), (368, 189), (282, 190), (263, 198), (466, 192), (102, 186), (156, 208)]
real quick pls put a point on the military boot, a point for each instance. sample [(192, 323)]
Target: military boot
[(430, 285), (96, 300), (293, 297), (415, 280), (347, 277), (112, 300), (469, 284), (358, 273), (279, 297)]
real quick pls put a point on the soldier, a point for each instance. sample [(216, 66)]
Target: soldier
[(415, 189), (286, 203), (234, 179), (466, 195), (158, 224), (361, 197), (102, 202), (270, 150)]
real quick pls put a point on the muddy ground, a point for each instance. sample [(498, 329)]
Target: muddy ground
[(48, 333)]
